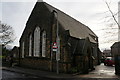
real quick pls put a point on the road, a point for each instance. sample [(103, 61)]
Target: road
[(8, 75), (100, 73), (105, 70)]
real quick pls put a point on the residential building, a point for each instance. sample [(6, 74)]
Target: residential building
[(107, 53), (15, 54), (115, 50)]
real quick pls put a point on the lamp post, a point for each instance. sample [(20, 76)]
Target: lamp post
[(58, 45)]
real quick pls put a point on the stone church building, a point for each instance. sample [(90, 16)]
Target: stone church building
[(78, 50)]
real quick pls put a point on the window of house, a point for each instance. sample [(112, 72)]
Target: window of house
[(23, 49), (30, 45), (43, 44), (37, 42)]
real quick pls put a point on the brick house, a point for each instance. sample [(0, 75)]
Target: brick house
[(78, 43)]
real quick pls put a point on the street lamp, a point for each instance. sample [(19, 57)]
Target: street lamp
[(58, 45)]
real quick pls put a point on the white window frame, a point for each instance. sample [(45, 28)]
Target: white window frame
[(44, 44), (37, 42)]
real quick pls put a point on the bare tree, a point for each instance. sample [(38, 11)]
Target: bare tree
[(112, 25), (6, 34), (112, 14), (117, 65)]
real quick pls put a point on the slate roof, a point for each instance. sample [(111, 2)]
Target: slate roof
[(76, 28)]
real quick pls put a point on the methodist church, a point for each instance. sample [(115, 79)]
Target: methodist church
[(78, 44)]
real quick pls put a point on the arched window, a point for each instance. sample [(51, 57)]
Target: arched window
[(30, 45), (43, 44), (37, 42), (23, 48)]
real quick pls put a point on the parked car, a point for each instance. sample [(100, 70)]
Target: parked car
[(109, 61)]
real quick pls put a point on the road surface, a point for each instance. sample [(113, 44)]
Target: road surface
[(8, 75), (100, 73)]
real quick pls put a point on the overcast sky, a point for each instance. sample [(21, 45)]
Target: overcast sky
[(92, 13)]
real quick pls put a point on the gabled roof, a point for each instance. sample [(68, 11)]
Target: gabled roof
[(76, 28), (107, 51), (116, 45)]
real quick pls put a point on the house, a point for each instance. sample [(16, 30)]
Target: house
[(107, 53), (78, 50), (15, 54), (115, 50)]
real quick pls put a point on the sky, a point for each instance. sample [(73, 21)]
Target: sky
[(92, 13)]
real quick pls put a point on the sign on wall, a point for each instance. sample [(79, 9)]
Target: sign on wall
[(55, 46)]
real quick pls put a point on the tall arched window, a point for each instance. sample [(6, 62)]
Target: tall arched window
[(37, 42), (30, 45), (43, 44), (23, 48)]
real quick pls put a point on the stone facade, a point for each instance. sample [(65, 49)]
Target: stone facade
[(78, 48)]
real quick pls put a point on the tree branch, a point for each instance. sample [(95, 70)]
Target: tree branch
[(112, 14)]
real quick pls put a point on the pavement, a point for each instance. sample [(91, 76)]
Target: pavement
[(102, 71), (97, 74)]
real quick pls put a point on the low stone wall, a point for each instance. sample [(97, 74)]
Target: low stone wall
[(35, 63), (45, 64)]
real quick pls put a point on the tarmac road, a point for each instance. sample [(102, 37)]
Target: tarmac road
[(100, 73), (8, 75)]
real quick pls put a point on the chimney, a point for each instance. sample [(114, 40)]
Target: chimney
[(39, 0)]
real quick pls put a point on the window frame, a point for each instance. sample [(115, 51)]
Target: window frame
[(37, 42), (30, 45), (44, 44), (23, 49)]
